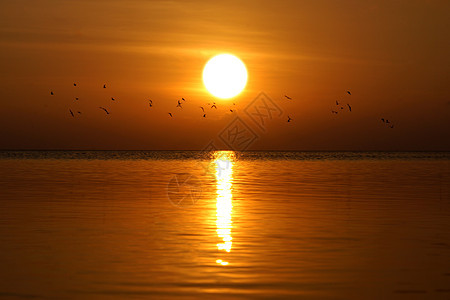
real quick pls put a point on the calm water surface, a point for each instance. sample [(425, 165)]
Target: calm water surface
[(124, 225)]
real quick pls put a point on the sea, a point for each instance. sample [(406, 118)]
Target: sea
[(224, 225)]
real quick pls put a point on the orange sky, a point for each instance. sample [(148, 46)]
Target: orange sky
[(392, 55)]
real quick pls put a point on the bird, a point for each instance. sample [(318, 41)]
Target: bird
[(214, 105), (204, 115), (287, 97), (203, 110), (107, 112), (234, 103), (231, 110), (392, 126), (113, 99), (104, 86), (349, 107), (183, 99), (337, 103), (382, 119), (348, 92), (71, 113), (170, 114), (76, 98), (342, 107), (79, 112), (74, 84), (51, 93), (289, 119), (150, 102), (387, 121), (179, 104)]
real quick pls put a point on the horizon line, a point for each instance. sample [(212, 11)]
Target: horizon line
[(273, 150)]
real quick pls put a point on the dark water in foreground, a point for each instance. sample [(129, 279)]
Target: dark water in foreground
[(125, 225)]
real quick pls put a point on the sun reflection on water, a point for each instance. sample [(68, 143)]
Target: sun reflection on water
[(224, 205)]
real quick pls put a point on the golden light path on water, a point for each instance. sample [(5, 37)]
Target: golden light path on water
[(224, 202)]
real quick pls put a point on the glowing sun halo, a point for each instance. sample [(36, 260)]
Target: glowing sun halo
[(225, 76)]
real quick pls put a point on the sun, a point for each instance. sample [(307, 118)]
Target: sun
[(225, 76)]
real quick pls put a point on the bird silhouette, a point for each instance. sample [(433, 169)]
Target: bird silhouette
[(113, 99), (71, 113), (337, 103), (106, 111), (348, 92), (289, 119), (79, 112), (76, 98), (342, 107), (179, 104), (51, 93), (231, 110), (183, 99), (170, 114), (349, 107), (74, 84), (214, 105), (204, 115), (150, 102), (287, 97), (387, 122), (203, 110), (104, 86)]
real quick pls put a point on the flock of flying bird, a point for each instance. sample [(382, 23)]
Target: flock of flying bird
[(180, 105), (341, 106), (150, 102), (181, 102), (76, 99), (338, 104)]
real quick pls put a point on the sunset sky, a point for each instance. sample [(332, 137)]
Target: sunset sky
[(392, 55)]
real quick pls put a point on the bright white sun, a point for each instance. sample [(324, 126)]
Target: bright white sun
[(225, 76)]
